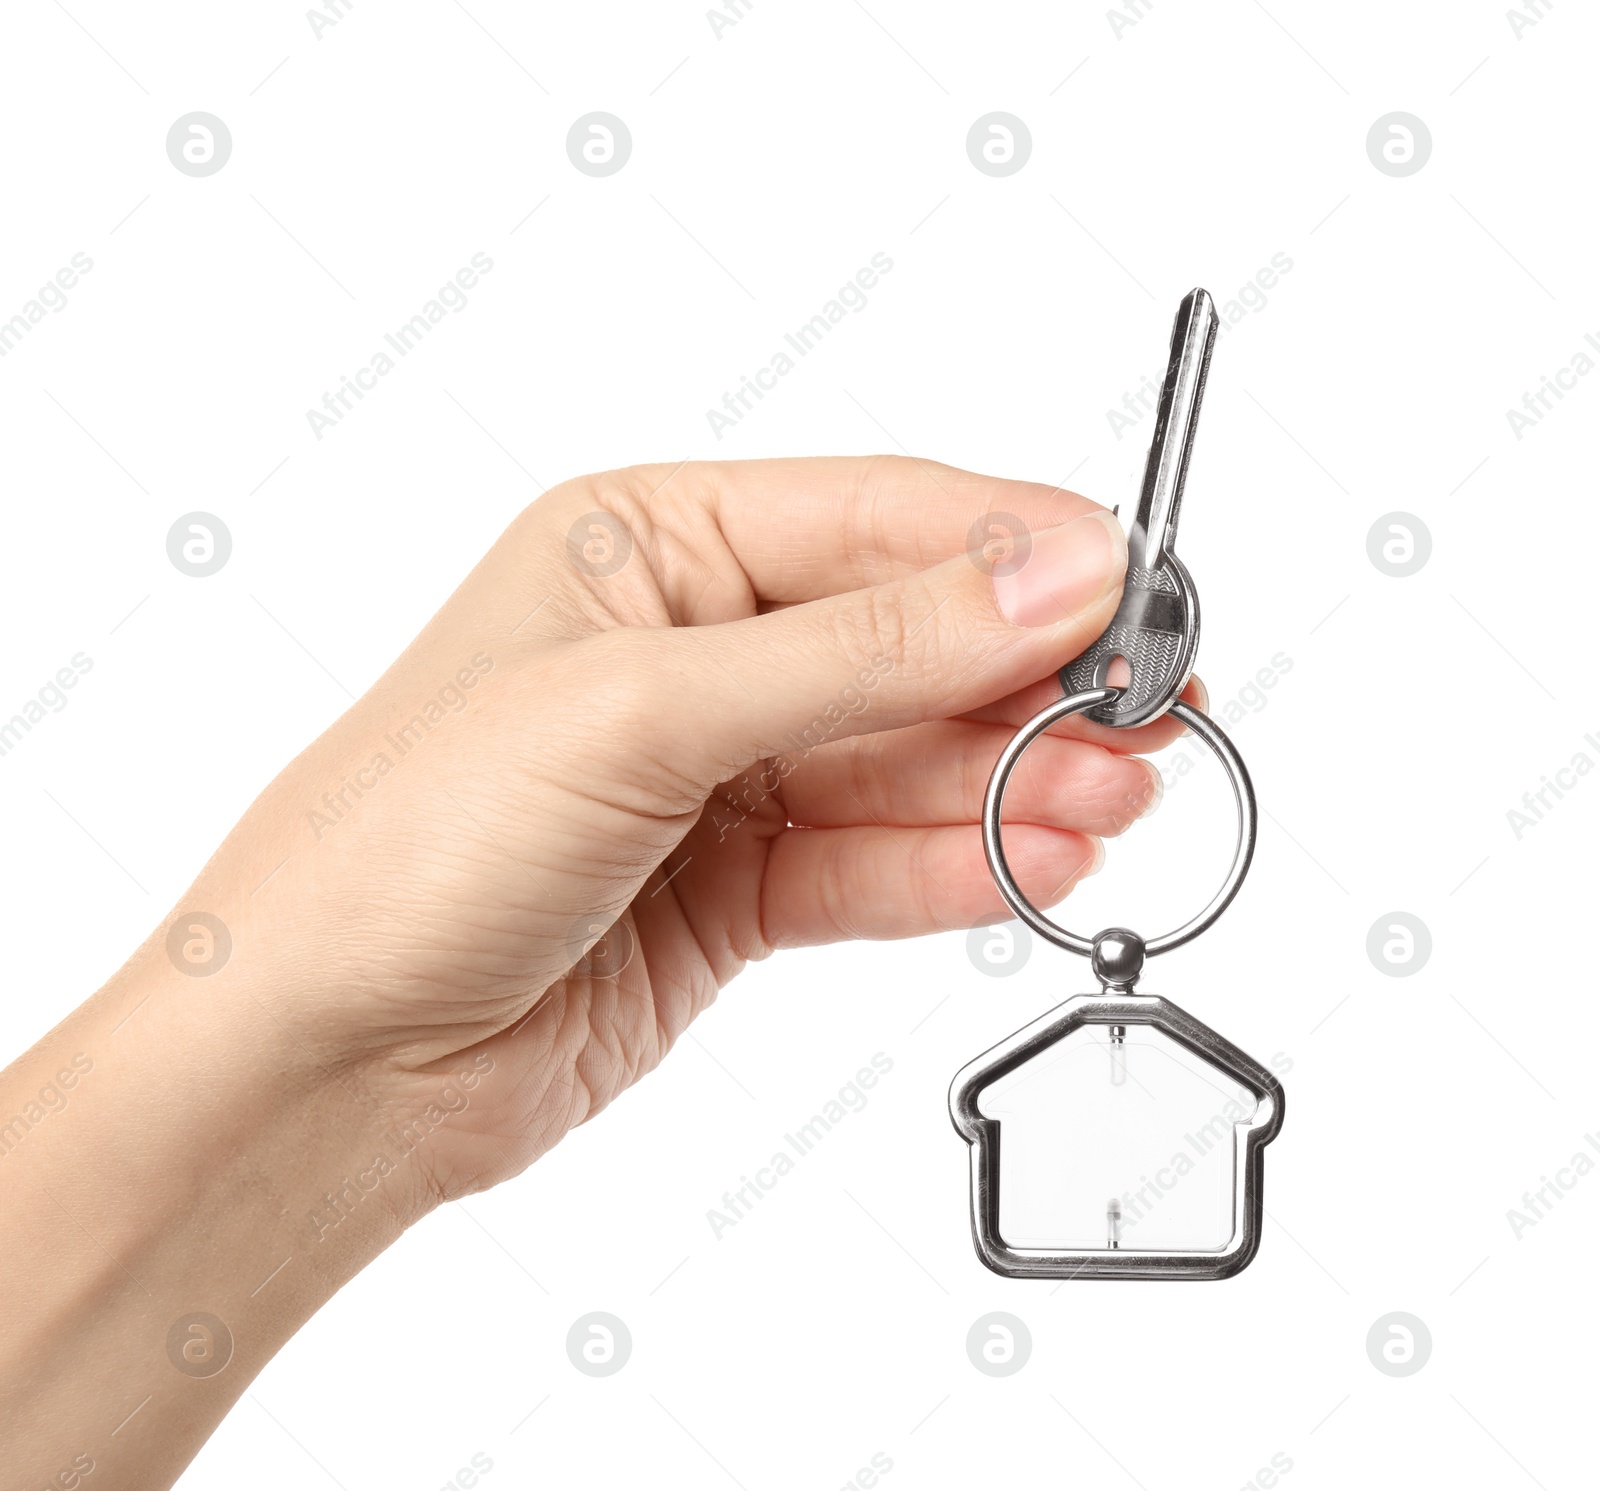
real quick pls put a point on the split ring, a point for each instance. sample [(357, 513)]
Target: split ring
[(1205, 730)]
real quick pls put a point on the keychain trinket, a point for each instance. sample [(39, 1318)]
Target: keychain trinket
[(1155, 632)]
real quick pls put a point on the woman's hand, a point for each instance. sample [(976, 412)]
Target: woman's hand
[(678, 718), (736, 707), (730, 709)]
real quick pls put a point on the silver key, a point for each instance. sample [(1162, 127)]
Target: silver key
[(1157, 626)]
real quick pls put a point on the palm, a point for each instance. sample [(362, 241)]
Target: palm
[(571, 1050)]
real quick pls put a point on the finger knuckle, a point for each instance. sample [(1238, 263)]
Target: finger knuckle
[(874, 629)]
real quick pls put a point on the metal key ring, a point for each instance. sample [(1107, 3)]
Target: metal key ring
[(1238, 778)]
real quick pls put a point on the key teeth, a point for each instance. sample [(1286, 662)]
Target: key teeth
[(1157, 625)]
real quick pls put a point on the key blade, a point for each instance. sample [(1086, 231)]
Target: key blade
[(1155, 525)]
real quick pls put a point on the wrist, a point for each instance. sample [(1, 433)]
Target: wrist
[(238, 1074), (161, 1228)]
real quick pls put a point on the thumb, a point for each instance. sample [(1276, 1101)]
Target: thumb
[(928, 646)]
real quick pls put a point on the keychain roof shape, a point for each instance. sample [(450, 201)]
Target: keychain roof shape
[(1118, 1007)]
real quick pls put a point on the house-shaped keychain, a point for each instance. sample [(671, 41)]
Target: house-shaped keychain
[(1055, 1114), (1116, 1137)]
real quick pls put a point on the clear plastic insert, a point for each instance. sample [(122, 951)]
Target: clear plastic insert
[(1128, 1140)]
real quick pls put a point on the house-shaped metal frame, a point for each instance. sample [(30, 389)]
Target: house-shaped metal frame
[(983, 1134)]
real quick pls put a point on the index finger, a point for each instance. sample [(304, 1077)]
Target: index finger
[(806, 528)]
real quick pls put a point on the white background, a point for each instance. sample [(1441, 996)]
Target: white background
[(767, 167)]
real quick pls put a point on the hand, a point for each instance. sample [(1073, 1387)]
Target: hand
[(738, 707), (708, 711)]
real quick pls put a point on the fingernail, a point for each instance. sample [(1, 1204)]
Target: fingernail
[(1067, 570), (1098, 862), (1204, 706), (1158, 788)]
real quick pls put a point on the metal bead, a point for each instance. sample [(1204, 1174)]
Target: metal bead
[(1117, 958)]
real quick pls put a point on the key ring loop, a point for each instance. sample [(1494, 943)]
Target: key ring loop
[(1238, 778)]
